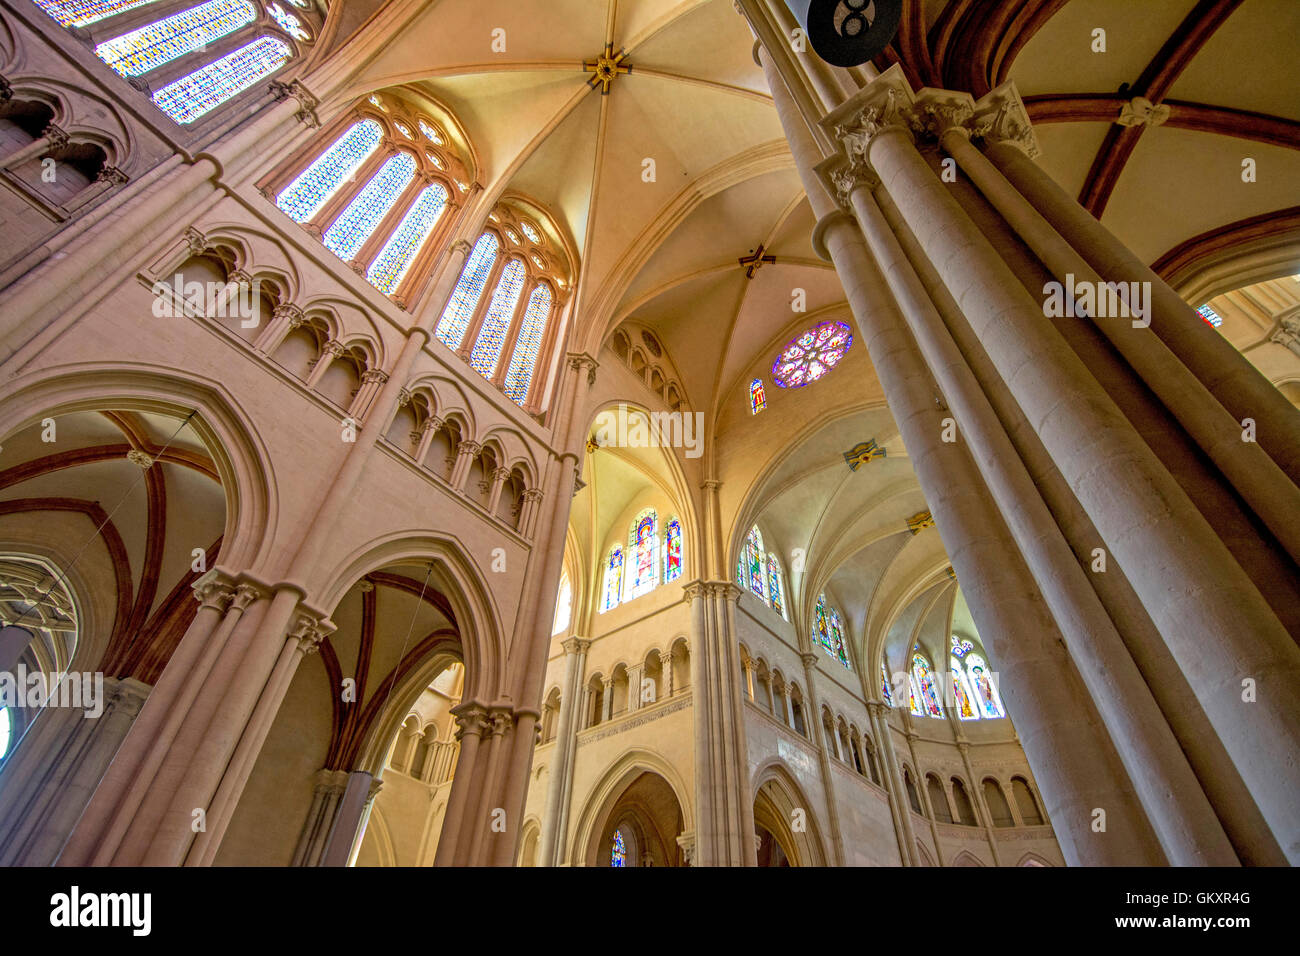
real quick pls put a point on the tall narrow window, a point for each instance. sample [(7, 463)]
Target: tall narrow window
[(528, 343), (6, 731), (673, 551), (886, 690), (822, 626), (961, 692), (469, 289), (926, 686), (986, 693), (757, 397), (356, 223), (774, 584), (837, 637), (643, 547), (208, 87), (487, 350), (138, 52), (618, 855), (398, 253), (305, 196), (563, 605), (754, 561), (79, 13), (613, 580)]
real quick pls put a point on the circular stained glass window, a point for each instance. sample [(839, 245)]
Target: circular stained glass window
[(811, 355)]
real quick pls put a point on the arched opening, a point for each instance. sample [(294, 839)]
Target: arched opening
[(997, 803), (642, 826), (938, 799), (1026, 803), (785, 816), (109, 515), (965, 809), (366, 729)]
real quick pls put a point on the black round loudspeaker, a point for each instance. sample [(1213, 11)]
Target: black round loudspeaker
[(848, 32)]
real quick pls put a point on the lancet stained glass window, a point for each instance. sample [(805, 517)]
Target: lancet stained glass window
[(469, 289), (926, 686), (528, 343), (774, 584), (837, 637), (305, 196), (613, 580), (986, 693), (1209, 315), (886, 690), (487, 350), (757, 398), (754, 563), (399, 252), (643, 547), (430, 133), (355, 224), (811, 355), (673, 551), (208, 87), (79, 13), (618, 855), (139, 51), (961, 692), (821, 625)]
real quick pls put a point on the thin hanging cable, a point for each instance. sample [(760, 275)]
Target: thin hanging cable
[(407, 640)]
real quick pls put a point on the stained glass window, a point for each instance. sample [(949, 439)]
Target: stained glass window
[(376, 102), (643, 547), (986, 693), (305, 196), (926, 687), (530, 232), (487, 350), (774, 584), (754, 561), (207, 88), (78, 13), (1209, 315), (618, 855), (527, 344), (469, 289), (613, 580), (288, 22), (886, 691), (673, 551), (6, 731), (961, 691), (355, 224), (399, 252), (960, 648), (430, 133), (821, 625), (757, 398), (837, 637), (403, 129), (811, 355), (563, 605), (139, 51), (913, 697)]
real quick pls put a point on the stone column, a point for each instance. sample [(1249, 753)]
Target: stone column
[(666, 674), (326, 793), (560, 783), (999, 588), (499, 476), (329, 352), (888, 767), (635, 675), (813, 701), (347, 819), (427, 431), (471, 723), (284, 320), (466, 452), (1207, 609), (371, 381), (983, 818), (607, 700), (53, 138), (1237, 384)]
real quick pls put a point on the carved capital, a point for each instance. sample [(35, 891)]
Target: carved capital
[(374, 375), (468, 449), (500, 474), (214, 594), (1001, 117), (291, 313), (335, 348), (471, 718), (307, 103), (196, 241), (308, 632), (55, 136), (810, 660), (463, 246), (575, 645), (245, 594), (112, 175), (404, 397)]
